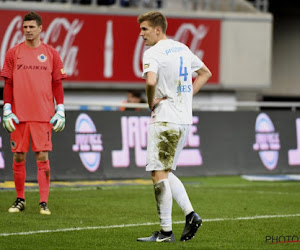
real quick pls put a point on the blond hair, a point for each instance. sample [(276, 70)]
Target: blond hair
[(155, 19)]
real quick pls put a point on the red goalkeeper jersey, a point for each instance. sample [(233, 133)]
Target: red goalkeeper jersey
[(32, 71)]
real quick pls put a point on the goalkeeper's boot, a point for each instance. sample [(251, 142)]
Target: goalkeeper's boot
[(18, 206), (44, 208), (193, 222), (158, 237)]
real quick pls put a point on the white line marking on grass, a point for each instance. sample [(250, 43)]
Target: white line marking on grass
[(254, 185), (146, 224), (256, 191)]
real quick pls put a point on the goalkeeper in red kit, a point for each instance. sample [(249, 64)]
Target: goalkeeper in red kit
[(33, 73)]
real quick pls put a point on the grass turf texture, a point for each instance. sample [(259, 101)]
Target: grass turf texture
[(105, 207)]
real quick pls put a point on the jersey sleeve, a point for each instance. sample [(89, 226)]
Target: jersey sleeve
[(196, 63), (149, 63), (8, 66), (58, 91), (8, 90), (58, 68)]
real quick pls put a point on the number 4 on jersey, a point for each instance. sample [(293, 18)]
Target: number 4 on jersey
[(183, 70)]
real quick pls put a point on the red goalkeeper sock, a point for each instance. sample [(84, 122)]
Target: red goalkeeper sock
[(44, 179), (19, 171)]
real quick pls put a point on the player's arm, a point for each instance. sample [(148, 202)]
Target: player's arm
[(58, 91), (151, 80), (151, 66), (150, 88), (203, 75), (58, 120), (8, 116), (8, 90)]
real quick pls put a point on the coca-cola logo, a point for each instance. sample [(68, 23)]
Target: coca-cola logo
[(60, 34), (182, 35)]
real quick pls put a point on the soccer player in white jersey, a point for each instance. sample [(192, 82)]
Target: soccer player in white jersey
[(167, 67)]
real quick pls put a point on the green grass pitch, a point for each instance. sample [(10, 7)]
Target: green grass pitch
[(237, 214)]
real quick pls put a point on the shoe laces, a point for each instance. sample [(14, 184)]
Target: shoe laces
[(19, 202), (44, 206)]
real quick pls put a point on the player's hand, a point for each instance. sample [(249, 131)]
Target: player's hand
[(9, 118), (155, 102), (59, 120)]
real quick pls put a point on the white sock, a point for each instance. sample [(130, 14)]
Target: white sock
[(179, 194), (164, 202)]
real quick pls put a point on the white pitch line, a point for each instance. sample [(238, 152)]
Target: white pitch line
[(146, 224)]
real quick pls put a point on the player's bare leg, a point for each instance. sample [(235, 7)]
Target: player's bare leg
[(43, 180)]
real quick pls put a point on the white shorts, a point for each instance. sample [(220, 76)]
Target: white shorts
[(165, 142)]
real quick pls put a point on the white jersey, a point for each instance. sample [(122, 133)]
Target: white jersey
[(174, 63)]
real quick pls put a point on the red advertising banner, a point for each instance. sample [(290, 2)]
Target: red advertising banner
[(99, 48)]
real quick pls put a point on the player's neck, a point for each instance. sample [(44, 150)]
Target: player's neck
[(164, 37), (33, 43)]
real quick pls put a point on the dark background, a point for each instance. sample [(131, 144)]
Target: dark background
[(226, 145)]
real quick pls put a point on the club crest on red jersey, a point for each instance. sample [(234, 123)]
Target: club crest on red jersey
[(42, 58)]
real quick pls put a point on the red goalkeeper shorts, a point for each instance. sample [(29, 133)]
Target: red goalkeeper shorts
[(40, 134)]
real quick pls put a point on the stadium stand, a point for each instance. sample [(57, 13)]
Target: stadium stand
[(185, 5)]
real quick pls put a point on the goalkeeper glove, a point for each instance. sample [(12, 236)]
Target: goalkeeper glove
[(58, 120), (9, 118)]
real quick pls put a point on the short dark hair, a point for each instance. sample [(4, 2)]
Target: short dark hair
[(155, 19), (33, 16), (135, 93)]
